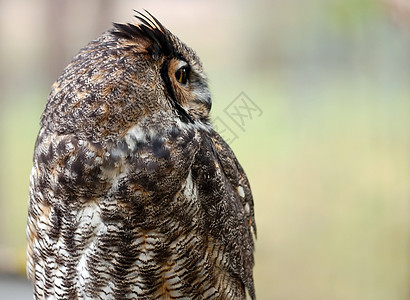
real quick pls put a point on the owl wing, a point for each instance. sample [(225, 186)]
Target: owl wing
[(237, 177), (226, 197)]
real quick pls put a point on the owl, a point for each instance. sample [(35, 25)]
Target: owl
[(133, 194)]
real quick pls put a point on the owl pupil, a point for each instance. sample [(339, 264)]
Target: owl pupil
[(182, 75)]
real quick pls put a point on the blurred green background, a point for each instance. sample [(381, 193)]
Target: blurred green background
[(328, 159)]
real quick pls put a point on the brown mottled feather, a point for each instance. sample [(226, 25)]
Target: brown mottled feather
[(133, 195)]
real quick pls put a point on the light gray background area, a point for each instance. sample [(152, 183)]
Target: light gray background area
[(15, 288)]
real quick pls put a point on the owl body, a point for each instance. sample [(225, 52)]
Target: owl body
[(133, 195)]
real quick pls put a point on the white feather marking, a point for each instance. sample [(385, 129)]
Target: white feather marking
[(241, 192), (90, 215), (107, 290), (69, 147), (190, 190), (247, 208), (82, 271), (134, 134), (198, 125)]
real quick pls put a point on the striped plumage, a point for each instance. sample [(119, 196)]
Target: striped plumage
[(133, 195)]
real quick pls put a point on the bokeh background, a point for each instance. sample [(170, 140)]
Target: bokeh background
[(328, 157)]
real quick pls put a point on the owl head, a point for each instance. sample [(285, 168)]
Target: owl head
[(131, 72)]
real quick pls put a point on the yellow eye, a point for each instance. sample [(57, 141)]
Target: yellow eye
[(182, 75)]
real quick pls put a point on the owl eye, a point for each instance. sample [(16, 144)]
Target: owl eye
[(182, 74)]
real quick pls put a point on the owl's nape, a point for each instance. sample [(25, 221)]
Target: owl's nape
[(133, 195)]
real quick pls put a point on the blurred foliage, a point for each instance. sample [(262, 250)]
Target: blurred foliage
[(328, 160), (349, 15)]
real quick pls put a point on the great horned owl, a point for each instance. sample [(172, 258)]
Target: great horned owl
[(133, 195)]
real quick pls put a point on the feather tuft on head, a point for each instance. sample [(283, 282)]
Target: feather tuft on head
[(149, 29)]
